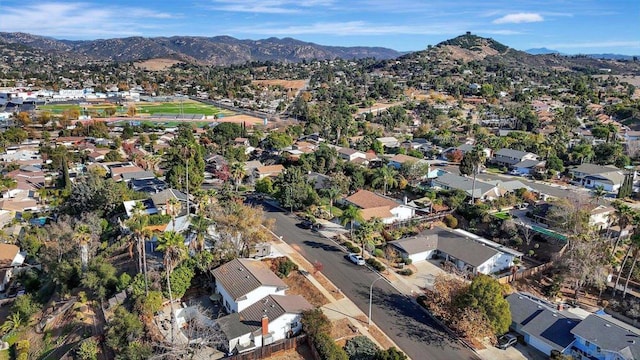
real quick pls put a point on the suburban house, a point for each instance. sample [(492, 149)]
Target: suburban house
[(381, 207), (508, 157), (272, 318), (348, 154), (602, 337), (591, 176), (397, 160), (146, 204), (601, 216), (10, 257), (483, 190), (163, 198), (389, 141), (243, 282), (543, 326), (262, 172), (528, 167), (466, 251)]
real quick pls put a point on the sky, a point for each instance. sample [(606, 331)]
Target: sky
[(568, 26)]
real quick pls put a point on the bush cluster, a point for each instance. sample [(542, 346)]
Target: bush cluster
[(451, 221), (22, 350), (352, 248), (284, 267), (377, 265), (318, 327), (405, 272)]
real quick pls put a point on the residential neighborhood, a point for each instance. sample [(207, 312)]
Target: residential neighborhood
[(429, 206)]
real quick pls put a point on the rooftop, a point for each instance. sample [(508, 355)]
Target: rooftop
[(241, 276)]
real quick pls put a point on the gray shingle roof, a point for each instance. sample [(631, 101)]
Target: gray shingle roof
[(465, 184), (540, 321), (462, 248), (241, 276), (593, 169), (610, 334), (250, 319), (163, 197), (512, 153), (527, 164)]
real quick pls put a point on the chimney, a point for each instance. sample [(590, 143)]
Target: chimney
[(265, 325)]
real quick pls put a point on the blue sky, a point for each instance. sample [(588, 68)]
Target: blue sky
[(570, 26)]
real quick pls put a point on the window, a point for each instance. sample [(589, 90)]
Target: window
[(598, 349), (587, 343)]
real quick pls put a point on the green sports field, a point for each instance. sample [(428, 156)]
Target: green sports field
[(186, 107)]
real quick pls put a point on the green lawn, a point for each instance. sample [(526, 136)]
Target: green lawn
[(502, 215), (187, 107)]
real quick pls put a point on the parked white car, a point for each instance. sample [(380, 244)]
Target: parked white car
[(356, 259)]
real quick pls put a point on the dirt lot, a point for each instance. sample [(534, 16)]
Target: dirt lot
[(300, 285), (238, 119), (287, 84), (301, 353), (306, 266), (156, 64)]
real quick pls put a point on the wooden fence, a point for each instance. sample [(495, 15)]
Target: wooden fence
[(524, 273), (268, 350)]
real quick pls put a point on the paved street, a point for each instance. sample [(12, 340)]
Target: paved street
[(402, 320)]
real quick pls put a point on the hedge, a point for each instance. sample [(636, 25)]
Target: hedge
[(377, 265), (328, 349), (405, 272), (352, 248)]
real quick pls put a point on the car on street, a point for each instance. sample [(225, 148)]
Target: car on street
[(356, 259), (506, 341), (305, 224)]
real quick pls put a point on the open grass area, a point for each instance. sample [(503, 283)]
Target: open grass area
[(503, 215), (166, 124), (187, 107)]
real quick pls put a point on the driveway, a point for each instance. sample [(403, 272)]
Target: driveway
[(426, 273), (518, 352)]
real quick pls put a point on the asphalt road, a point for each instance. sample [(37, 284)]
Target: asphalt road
[(401, 319)]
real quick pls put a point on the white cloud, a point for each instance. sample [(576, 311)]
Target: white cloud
[(362, 28), (269, 6), (519, 18), (81, 20)]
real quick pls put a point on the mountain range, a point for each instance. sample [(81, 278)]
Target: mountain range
[(219, 50), (608, 56)]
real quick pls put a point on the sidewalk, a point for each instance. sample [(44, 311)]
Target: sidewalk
[(339, 306)]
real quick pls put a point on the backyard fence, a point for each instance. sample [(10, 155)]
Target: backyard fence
[(525, 273), (268, 350)]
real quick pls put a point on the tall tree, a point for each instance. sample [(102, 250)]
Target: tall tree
[(470, 165), (184, 153), (331, 193), (385, 176), (237, 173), (635, 245), (172, 244), (350, 215)]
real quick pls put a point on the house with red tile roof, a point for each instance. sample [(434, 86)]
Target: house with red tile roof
[(384, 208)]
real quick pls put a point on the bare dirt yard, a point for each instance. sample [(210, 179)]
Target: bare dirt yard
[(156, 64), (300, 285), (287, 84)]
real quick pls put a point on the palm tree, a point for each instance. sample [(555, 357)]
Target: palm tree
[(172, 244), (598, 193), (13, 322), (139, 233), (471, 164), (187, 151), (200, 226), (174, 206), (385, 176), (635, 245), (237, 173), (82, 236), (625, 214), (634, 242), (350, 215), (332, 193)]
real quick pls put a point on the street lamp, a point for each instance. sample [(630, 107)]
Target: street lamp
[(370, 297)]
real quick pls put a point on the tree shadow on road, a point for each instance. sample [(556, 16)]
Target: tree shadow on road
[(325, 247), (422, 329)]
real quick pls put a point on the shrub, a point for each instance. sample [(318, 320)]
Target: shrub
[(22, 350), (406, 272), (377, 265), (390, 354), (361, 348), (315, 322), (328, 349), (378, 253), (451, 221), (285, 266), (25, 306), (88, 350), (352, 248), (407, 261)]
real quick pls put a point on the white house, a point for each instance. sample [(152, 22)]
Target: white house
[(381, 207), (482, 190), (468, 252), (273, 318), (510, 157), (10, 258), (243, 282), (348, 154), (592, 176)]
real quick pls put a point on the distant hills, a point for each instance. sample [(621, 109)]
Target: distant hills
[(219, 50), (545, 51)]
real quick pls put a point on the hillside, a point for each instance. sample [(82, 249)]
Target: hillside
[(489, 52), (220, 50)]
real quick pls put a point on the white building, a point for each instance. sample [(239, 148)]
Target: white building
[(381, 207), (243, 282), (467, 251)]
